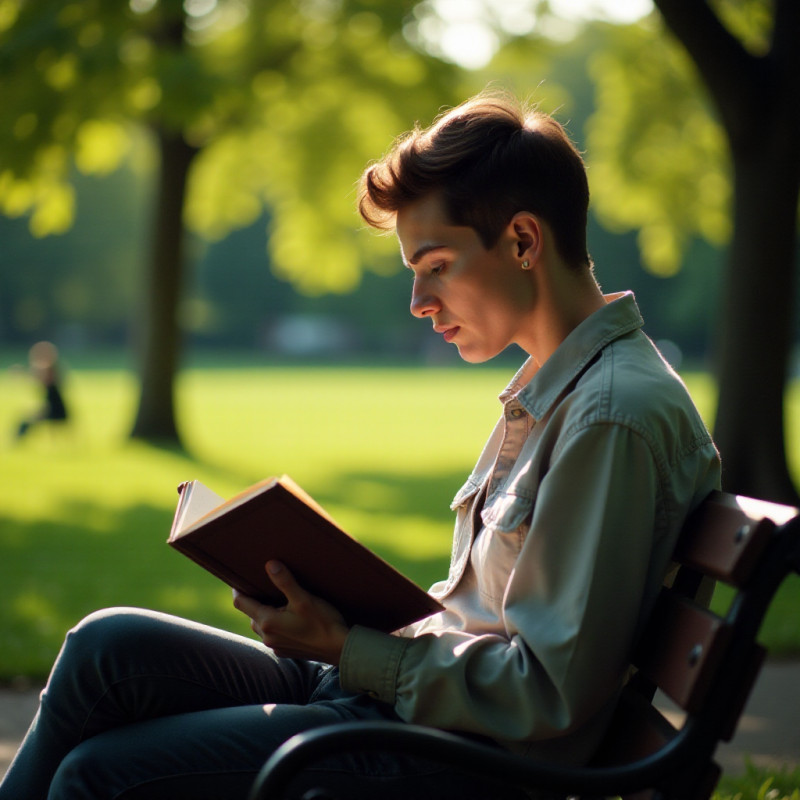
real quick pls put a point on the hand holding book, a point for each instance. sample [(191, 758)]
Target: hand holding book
[(306, 627), (276, 520)]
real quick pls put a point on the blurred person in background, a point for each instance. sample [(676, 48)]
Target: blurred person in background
[(43, 366)]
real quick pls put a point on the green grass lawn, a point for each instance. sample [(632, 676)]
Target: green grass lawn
[(84, 512), (760, 784)]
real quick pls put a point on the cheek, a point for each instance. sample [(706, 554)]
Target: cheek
[(511, 297)]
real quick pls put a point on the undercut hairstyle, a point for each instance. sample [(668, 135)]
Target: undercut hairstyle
[(489, 158)]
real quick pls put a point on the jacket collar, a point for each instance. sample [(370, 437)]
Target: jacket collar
[(537, 388)]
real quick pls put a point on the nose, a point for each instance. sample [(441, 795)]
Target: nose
[(423, 302)]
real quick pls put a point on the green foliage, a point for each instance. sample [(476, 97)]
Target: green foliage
[(751, 22), (286, 101), (760, 784), (658, 159)]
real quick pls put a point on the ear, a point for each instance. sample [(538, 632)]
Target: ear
[(527, 235)]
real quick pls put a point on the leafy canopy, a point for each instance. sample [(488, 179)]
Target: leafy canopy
[(659, 158), (284, 100)]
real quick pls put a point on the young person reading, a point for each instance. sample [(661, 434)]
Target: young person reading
[(563, 530)]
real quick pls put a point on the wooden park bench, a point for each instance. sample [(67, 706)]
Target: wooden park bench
[(705, 663)]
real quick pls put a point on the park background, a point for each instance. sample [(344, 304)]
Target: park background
[(293, 347)]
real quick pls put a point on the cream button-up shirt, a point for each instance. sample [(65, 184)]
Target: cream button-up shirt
[(563, 536)]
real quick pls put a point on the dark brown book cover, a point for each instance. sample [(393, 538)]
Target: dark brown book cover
[(275, 519)]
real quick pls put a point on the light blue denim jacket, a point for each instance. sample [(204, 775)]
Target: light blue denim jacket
[(563, 536)]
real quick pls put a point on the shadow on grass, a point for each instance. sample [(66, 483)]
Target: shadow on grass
[(54, 572)]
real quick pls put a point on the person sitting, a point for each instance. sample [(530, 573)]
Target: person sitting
[(43, 361), (563, 530)]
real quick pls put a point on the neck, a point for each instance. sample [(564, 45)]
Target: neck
[(565, 297)]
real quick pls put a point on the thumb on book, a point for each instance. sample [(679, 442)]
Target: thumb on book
[(283, 579)]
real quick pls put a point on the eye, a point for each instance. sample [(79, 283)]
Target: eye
[(438, 268)]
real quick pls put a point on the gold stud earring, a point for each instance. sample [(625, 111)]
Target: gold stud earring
[(526, 264)]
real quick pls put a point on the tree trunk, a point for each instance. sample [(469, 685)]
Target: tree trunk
[(757, 313), (758, 98), (159, 337)]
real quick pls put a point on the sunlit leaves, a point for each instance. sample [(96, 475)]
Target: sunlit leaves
[(100, 147), (314, 254), (751, 22), (16, 196), (658, 161), (62, 73), (45, 196), (8, 13), (285, 101), (54, 211), (51, 204), (226, 185)]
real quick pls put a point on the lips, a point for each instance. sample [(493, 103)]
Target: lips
[(450, 333)]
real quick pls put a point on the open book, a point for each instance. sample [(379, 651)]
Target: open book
[(276, 519)]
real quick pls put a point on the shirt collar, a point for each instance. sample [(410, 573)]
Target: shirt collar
[(537, 388)]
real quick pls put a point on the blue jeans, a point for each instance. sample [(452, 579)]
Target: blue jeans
[(144, 705)]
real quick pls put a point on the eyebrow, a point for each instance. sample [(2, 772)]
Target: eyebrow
[(423, 251)]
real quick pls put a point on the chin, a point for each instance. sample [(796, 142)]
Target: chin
[(475, 356)]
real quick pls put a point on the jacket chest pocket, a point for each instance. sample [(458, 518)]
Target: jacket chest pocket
[(506, 519), (464, 506)]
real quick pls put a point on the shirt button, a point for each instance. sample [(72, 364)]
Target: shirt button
[(516, 413)]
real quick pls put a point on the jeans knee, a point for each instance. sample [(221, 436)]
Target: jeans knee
[(80, 774), (107, 629), (98, 648), (107, 621)]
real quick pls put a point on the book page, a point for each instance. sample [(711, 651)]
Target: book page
[(196, 501)]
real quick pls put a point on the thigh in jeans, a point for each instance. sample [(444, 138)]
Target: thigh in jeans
[(217, 754), (122, 666)]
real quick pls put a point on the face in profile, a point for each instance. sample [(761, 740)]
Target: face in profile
[(477, 298)]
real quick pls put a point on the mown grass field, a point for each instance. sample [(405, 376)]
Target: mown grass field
[(84, 512)]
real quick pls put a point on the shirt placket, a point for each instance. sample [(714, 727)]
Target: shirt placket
[(517, 424)]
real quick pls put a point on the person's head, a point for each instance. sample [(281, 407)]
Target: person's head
[(43, 355), (488, 159)]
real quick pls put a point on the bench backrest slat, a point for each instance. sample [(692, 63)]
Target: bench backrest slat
[(725, 537), (682, 649), (685, 649)]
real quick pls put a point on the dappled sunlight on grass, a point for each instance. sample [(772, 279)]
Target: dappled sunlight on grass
[(84, 515), (34, 610), (182, 600), (371, 494), (307, 421)]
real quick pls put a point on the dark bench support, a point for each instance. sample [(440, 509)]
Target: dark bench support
[(707, 664)]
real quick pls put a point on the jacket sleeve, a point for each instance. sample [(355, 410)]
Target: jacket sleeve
[(570, 608)]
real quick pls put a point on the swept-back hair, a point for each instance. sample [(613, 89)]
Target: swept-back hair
[(489, 158)]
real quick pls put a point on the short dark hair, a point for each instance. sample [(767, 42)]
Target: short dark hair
[(489, 158)]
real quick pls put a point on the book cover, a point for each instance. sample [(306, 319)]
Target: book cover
[(276, 519)]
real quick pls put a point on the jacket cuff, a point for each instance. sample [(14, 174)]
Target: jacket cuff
[(370, 662)]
